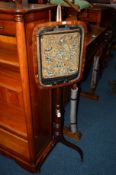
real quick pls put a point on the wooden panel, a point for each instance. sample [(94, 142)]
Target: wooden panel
[(8, 40), (8, 53), (7, 27), (8, 16), (13, 119), (44, 15), (11, 99), (10, 80), (93, 18), (89, 16), (13, 143)]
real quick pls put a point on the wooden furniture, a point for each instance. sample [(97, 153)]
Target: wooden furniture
[(97, 49), (100, 47), (100, 33), (97, 15), (25, 119)]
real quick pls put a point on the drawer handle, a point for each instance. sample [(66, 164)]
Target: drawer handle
[(1, 27)]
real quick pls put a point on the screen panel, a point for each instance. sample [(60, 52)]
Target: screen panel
[(59, 53)]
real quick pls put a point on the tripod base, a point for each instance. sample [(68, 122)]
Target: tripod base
[(69, 144), (58, 127)]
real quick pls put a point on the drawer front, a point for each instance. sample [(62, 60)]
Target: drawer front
[(7, 27), (14, 144)]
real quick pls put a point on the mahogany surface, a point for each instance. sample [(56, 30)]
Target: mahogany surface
[(25, 110)]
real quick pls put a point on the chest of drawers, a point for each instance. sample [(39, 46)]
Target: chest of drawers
[(25, 129)]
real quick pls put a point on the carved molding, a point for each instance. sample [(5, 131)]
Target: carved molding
[(19, 18)]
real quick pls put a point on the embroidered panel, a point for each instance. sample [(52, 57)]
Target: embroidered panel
[(60, 53)]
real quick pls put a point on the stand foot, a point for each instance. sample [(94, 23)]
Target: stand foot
[(89, 95), (73, 146), (69, 144), (76, 136)]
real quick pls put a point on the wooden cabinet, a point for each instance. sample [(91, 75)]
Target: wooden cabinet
[(25, 119), (98, 15)]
